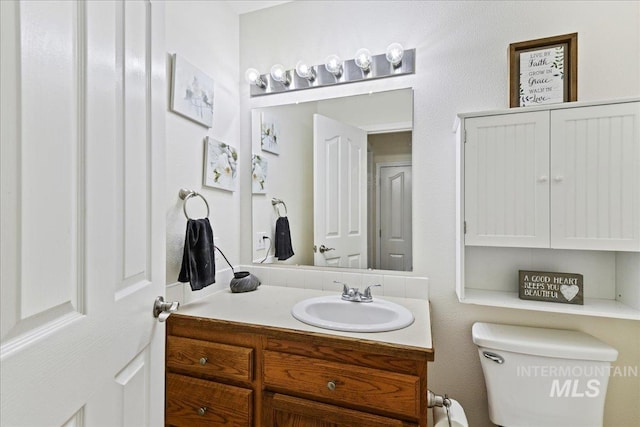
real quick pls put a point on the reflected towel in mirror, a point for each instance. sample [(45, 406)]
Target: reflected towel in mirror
[(284, 250)]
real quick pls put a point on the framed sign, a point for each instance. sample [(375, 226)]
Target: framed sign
[(543, 71)]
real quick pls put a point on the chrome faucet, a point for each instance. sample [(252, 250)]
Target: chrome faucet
[(354, 294)]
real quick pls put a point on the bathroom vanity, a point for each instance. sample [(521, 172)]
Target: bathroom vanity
[(243, 360)]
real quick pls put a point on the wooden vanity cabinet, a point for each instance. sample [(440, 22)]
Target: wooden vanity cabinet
[(210, 376), (232, 374)]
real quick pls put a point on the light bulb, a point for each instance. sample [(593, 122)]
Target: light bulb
[(304, 71), (394, 54), (252, 76), (363, 59), (279, 74), (333, 64)]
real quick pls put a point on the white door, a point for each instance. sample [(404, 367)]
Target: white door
[(339, 193), (595, 177), (395, 218), (506, 180), (83, 104)]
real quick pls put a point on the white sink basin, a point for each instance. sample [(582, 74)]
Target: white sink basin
[(332, 312)]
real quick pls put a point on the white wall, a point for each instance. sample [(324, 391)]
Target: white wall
[(205, 34), (461, 66)]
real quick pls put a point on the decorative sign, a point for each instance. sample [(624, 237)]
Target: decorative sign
[(543, 71), (565, 288), (542, 76)]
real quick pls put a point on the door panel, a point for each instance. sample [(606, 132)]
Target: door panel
[(340, 193), (395, 218), (83, 258)]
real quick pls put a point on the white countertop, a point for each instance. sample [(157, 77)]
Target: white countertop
[(271, 306)]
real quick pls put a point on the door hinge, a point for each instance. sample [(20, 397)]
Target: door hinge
[(465, 227), (464, 136)]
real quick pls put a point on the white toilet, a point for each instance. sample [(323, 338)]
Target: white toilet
[(543, 377)]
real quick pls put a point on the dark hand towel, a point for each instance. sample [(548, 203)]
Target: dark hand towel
[(283, 239), (198, 267)]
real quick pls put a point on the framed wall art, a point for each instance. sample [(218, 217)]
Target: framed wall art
[(269, 134), (259, 169), (220, 165), (543, 71), (191, 92)]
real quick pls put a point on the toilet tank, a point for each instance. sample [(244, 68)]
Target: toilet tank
[(543, 377)]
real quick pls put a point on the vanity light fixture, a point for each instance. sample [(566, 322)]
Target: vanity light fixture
[(333, 64), (279, 74), (252, 76), (363, 59), (396, 61), (304, 71), (394, 54)]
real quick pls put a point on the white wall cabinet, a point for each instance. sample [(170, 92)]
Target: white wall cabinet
[(565, 179), (539, 185)]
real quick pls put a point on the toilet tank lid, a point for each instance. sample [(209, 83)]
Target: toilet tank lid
[(558, 343)]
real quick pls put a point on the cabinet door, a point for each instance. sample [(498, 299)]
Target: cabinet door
[(595, 177), (506, 167), (286, 411)]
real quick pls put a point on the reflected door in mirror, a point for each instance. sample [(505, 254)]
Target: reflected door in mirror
[(340, 193), (395, 217)]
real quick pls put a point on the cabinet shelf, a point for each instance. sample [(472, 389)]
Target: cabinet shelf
[(592, 306)]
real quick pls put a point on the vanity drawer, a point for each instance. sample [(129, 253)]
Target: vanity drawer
[(194, 402), (203, 358), (343, 384)]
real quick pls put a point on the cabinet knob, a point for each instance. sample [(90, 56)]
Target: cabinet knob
[(202, 410), (203, 361), (558, 178), (543, 178), (331, 385)]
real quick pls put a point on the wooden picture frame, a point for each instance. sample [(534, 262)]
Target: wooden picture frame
[(551, 73)]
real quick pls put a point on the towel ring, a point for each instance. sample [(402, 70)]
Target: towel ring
[(186, 195), (276, 203)]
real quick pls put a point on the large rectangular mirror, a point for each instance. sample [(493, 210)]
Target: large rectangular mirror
[(342, 169)]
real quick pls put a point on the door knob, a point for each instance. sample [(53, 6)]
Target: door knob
[(162, 309), (324, 249)]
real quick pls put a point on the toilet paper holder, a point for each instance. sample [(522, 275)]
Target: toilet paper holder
[(440, 401), (437, 400)]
